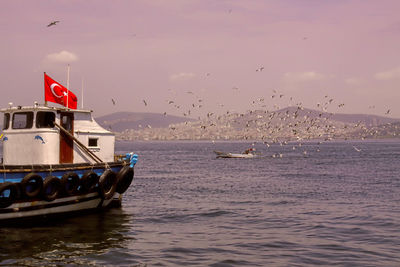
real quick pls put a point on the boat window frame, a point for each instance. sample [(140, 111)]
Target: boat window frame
[(46, 122), (28, 120), (96, 139), (67, 122), (6, 121)]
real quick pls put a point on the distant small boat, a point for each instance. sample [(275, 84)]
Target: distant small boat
[(221, 154)]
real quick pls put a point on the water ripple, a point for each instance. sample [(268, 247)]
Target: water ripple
[(332, 208)]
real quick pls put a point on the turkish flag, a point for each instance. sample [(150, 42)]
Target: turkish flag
[(56, 93)]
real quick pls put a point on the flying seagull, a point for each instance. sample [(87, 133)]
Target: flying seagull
[(113, 101), (145, 103), (53, 23)]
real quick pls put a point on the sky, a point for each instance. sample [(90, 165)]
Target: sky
[(205, 56)]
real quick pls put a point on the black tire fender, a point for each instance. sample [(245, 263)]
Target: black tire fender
[(31, 185), (70, 183), (51, 188), (12, 189), (107, 184), (124, 179), (88, 181)]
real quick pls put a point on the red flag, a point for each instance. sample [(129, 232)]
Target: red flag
[(56, 93)]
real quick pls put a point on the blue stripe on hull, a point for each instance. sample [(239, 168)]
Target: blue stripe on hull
[(17, 177)]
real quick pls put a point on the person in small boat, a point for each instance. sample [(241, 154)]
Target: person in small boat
[(247, 151)]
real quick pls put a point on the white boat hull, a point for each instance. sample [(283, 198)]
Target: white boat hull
[(67, 189), (42, 208), (243, 156), (233, 155)]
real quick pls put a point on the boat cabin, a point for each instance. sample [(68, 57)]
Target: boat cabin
[(30, 136)]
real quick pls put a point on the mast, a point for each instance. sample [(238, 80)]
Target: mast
[(67, 84)]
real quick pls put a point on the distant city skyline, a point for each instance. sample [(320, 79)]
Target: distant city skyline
[(192, 58)]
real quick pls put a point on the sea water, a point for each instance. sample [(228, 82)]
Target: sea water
[(334, 203)]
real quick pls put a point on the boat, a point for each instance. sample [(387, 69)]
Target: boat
[(58, 161), (221, 154)]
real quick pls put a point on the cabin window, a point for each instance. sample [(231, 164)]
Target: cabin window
[(66, 122), (93, 142), (45, 119), (22, 120), (6, 122)]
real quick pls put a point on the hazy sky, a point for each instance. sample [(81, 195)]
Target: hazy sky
[(158, 51)]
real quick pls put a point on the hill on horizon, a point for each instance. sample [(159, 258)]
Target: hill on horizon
[(120, 121), (367, 119)]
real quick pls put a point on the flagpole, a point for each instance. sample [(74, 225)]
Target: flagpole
[(67, 84), (45, 101)]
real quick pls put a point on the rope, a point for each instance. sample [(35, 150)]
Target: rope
[(106, 166), (4, 173)]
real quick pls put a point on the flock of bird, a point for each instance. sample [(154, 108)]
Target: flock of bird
[(290, 126)]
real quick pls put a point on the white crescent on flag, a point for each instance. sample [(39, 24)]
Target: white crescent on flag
[(52, 90)]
